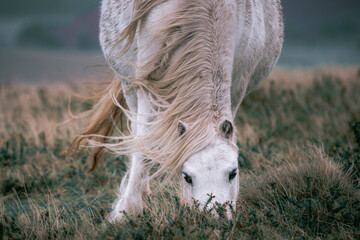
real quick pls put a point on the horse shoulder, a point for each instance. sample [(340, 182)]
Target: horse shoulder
[(149, 41), (115, 17)]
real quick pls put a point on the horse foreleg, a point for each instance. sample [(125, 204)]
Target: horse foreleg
[(132, 189), (135, 185)]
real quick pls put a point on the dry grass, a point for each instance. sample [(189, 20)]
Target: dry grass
[(299, 137)]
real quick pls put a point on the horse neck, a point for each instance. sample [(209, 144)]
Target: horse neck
[(206, 58), (220, 37)]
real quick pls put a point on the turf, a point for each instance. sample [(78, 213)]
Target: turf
[(299, 158)]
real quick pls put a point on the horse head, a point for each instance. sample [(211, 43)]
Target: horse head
[(211, 175)]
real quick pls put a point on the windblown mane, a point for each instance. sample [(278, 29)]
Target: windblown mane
[(192, 86)]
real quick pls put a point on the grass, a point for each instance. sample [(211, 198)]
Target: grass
[(299, 158)]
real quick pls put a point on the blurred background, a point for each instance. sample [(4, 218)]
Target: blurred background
[(50, 41)]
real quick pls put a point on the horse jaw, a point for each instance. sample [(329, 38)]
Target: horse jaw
[(209, 171)]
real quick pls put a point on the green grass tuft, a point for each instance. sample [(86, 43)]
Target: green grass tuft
[(299, 158)]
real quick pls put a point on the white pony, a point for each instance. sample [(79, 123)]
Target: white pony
[(183, 68)]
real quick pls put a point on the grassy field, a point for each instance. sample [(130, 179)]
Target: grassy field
[(299, 158)]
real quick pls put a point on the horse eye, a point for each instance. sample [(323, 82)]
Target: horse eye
[(232, 175), (187, 178), (226, 129)]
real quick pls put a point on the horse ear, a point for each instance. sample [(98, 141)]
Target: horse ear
[(226, 129), (182, 127)]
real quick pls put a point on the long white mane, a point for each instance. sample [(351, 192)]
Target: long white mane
[(188, 79), (193, 87)]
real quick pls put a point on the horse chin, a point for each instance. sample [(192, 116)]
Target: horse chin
[(226, 209)]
